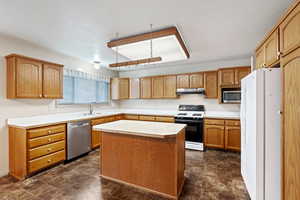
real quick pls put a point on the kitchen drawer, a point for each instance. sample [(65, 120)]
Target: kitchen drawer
[(98, 121), (131, 117), (46, 149), (146, 118), (110, 119), (165, 119), (36, 142), (232, 122), (214, 121), (119, 117), (49, 130), (46, 161)]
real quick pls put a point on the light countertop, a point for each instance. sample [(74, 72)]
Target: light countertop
[(141, 128), (44, 120)]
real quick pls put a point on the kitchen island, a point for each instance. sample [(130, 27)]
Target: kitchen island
[(147, 155)]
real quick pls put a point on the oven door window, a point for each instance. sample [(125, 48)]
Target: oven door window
[(194, 132)]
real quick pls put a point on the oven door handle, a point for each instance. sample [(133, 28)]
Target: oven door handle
[(188, 121)]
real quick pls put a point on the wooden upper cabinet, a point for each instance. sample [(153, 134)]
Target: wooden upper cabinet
[(196, 80), (291, 126), (272, 49), (119, 88), (134, 88), (260, 58), (33, 78), (146, 87), (170, 87), (240, 73), (28, 79), (290, 31), (183, 81), (211, 84), (124, 88), (158, 87), (226, 76), (52, 81)]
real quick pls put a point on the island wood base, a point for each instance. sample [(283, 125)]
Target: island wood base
[(153, 164)]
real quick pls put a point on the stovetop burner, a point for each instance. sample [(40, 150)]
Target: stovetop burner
[(190, 112)]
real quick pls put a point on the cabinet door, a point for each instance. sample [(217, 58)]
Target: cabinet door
[(52, 81), (272, 49), (29, 79), (158, 87), (211, 84), (290, 32), (226, 77), (96, 139), (170, 87), (134, 88), (291, 125), (196, 80), (114, 88), (145, 84), (260, 58), (233, 138), (240, 73), (123, 88), (183, 81), (214, 136)]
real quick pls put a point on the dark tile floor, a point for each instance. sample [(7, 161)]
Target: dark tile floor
[(213, 175)]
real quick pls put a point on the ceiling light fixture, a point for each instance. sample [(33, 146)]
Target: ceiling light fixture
[(96, 64), (167, 43)]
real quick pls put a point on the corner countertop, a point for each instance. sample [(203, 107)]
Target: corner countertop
[(141, 128), (222, 114), (45, 120)]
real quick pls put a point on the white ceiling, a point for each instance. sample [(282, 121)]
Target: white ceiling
[(212, 29)]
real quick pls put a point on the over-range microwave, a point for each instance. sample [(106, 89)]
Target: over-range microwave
[(231, 96)]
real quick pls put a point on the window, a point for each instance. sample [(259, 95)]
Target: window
[(84, 91)]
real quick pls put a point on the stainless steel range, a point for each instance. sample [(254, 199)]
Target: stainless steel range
[(193, 116)]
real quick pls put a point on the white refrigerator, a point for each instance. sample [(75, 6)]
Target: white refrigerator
[(261, 134)]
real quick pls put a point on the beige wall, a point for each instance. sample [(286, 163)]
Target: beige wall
[(172, 104), (23, 108)]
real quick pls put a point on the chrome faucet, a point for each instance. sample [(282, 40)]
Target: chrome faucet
[(91, 109)]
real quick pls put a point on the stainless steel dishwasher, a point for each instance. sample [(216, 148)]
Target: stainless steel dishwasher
[(78, 138)]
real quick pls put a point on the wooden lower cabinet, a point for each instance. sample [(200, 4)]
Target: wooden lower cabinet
[(31, 150), (96, 139), (147, 118), (96, 135), (214, 136), (233, 138), (222, 134), (131, 117)]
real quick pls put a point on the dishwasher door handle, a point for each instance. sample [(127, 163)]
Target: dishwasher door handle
[(79, 125)]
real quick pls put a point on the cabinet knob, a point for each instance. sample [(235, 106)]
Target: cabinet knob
[(41, 95), (49, 140), (49, 161), (49, 149), (49, 132)]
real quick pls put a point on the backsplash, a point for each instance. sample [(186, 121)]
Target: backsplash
[(172, 104)]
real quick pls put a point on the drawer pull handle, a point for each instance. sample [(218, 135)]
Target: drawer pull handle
[(49, 161)]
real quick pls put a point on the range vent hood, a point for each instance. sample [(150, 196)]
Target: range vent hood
[(181, 91)]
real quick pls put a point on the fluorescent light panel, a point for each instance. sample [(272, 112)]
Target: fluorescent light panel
[(168, 48)]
